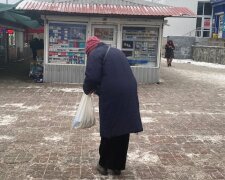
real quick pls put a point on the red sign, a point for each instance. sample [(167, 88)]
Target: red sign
[(38, 31), (10, 31), (206, 23)]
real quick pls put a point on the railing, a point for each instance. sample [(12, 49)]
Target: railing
[(198, 32), (191, 33)]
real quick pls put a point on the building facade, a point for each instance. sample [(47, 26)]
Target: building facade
[(218, 18), (199, 26), (12, 33)]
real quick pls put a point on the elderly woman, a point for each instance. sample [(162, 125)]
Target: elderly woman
[(109, 75)]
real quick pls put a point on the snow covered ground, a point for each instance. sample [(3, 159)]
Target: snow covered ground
[(211, 65), (208, 72)]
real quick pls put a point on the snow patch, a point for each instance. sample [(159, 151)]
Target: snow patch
[(171, 113), (6, 137), (31, 108), (66, 113), (68, 90), (30, 87), (152, 104), (96, 109), (18, 105), (190, 155), (212, 65), (147, 120), (212, 78), (7, 120), (21, 106), (95, 135), (214, 139), (43, 118), (53, 138), (141, 157), (146, 111)]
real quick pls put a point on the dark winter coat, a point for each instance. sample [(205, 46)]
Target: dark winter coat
[(169, 51), (116, 86)]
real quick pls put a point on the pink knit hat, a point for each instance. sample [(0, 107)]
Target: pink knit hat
[(91, 44)]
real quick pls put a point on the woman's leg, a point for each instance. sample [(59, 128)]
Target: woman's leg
[(103, 152), (113, 153), (168, 62), (171, 59)]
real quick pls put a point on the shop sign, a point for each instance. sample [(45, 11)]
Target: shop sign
[(128, 45), (10, 31), (38, 31)]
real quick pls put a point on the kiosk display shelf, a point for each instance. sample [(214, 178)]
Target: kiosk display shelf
[(140, 44), (67, 43)]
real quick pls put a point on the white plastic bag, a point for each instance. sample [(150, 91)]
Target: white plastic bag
[(84, 117)]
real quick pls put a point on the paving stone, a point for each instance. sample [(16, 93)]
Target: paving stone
[(183, 138)]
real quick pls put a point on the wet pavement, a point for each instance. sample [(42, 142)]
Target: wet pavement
[(183, 138)]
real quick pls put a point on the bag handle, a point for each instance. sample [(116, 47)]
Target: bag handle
[(106, 55)]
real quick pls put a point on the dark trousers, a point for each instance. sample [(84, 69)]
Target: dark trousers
[(113, 152), (34, 52)]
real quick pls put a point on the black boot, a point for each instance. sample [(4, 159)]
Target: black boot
[(102, 170), (116, 172)]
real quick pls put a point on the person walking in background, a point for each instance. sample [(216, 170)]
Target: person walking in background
[(34, 45), (169, 54), (109, 75)]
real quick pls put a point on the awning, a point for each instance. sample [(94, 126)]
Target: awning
[(103, 9), (8, 13), (6, 7)]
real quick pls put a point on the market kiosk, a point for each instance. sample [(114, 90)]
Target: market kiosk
[(136, 29)]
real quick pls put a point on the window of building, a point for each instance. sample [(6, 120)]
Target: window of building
[(208, 9), (199, 22), (204, 8), (200, 8), (67, 43), (206, 33), (203, 24), (199, 27)]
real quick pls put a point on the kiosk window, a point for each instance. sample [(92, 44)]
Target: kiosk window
[(105, 34), (67, 43), (140, 45)]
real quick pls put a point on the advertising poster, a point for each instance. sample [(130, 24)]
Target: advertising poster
[(140, 44), (207, 24), (67, 43)]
